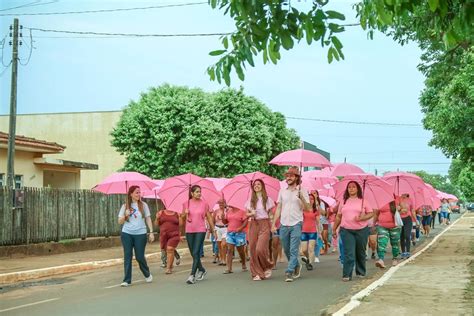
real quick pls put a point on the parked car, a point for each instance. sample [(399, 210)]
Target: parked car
[(470, 207)]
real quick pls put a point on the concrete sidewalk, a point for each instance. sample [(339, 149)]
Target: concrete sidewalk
[(437, 282)]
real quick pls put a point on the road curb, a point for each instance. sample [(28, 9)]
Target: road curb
[(14, 277)]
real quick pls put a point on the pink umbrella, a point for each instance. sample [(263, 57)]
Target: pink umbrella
[(119, 182), (376, 192), (302, 158), (329, 200), (175, 191), (219, 183), (425, 197), (239, 190), (343, 169), (320, 181), (153, 193), (327, 190), (408, 183), (447, 196)]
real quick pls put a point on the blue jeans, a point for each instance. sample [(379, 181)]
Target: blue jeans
[(318, 246), (131, 243), (290, 238), (341, 250), (355, 245), (215, 248)]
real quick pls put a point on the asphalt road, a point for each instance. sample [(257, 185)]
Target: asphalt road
[(98, 292)]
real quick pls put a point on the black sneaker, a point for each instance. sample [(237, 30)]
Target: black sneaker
[(305, 260), (288, 277), (200, 275), (309, 267), (297, 272), (373, 255)]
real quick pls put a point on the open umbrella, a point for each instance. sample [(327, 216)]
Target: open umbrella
[(343, 169), (408, 183), (329, 200), (302, 158), (239, 190), (153, 193), (219, 183), (376, 191), (119, 182), (175, 191), (319, 180)]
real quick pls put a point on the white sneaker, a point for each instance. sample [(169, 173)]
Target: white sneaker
[(149, 279), (124, 284), (316, 260), (191, 280), (200, 275)]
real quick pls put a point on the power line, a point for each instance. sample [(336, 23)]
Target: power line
[(128, 34), (107, 10), (353, 122), (2, 48), (5, 69), (30, 53), (32, 4)]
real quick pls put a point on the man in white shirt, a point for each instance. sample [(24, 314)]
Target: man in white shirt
[(292, 201)]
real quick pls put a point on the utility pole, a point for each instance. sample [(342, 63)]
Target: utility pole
[(12, 128)]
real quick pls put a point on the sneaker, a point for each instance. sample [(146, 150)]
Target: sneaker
[(288, 277), (191, 279), (178, 261), (305, 260), (124, 284), (268, 274), (403, 255), (149, 279), (373, 256), (380, 264), (407, 255), (257, 278), (309, 267), (163, 264), (316, 260), (201, 275), (297, 272)]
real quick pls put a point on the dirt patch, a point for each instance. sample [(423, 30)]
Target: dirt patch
[(438, 282)]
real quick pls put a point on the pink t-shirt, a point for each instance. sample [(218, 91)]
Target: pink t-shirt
[(386, 218), (235, 220), (261, 212), (196, 222), (405, 208), (351, 210)]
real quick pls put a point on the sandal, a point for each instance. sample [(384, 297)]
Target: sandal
[(228, 272), (257, 278), (244, 269), (168, 271), (346, 279)]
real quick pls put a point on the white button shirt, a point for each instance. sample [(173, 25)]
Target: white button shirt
[(291, 206)]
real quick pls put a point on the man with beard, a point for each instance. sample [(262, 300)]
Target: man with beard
[(292, 201)]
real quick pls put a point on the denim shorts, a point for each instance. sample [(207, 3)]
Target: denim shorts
[(444, 214), (236, 239), (426, 220), (308, 236)]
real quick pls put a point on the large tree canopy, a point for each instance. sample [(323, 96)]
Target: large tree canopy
[(265, 27), (173, 130)]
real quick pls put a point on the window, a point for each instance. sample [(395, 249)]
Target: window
[(18, 181), (2, 180)]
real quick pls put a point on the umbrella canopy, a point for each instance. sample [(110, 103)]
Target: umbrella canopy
[(153, 193), (327, 190), (319, 181), (329, 200), (219, 183), (302, 158), (119, 182), (426, 197), (343, 169), (239, 190), (376, 191), (408, 183), (444, 195), (175, 191)]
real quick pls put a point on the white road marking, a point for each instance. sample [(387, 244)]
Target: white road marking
[(182, 271), (26, 305), (356, 299)]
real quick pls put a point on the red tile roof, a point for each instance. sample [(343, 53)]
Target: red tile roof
[(33, 143)]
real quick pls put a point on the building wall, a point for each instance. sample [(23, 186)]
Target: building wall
[(32, 174), (61, 179), (85, 135)]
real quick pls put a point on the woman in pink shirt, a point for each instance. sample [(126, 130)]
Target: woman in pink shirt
[(236, 222), (309, 231), (195, 212), (353, 217), (408, 216), (387, 230), (259, 211)]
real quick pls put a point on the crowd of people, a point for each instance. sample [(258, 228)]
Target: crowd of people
[(298, 224)]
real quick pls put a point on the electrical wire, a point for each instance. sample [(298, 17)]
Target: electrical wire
[(354, 122), (107, 10), (30, 53), (2, 49), (5, 69), (127, 34)]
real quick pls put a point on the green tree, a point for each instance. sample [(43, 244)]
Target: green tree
[(173, 130), (266, 27), (462, 176)]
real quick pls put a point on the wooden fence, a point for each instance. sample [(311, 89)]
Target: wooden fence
[(57, 214)]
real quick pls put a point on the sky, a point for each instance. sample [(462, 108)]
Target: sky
[(377, 82)]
